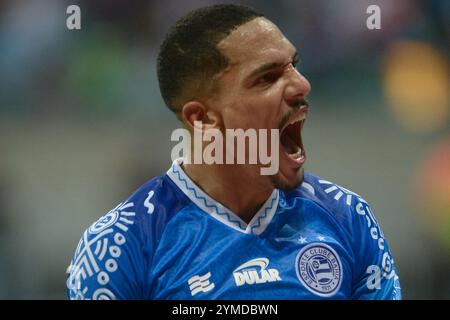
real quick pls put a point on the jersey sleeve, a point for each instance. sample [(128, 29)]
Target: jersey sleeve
[(375, 274), (109, 259)]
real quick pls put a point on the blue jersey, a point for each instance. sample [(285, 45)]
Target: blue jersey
[(170, 240)]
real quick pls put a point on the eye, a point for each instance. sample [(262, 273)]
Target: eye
[(268, 78), (295, 62)]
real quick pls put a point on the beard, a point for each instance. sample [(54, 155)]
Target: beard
[(282, 184)]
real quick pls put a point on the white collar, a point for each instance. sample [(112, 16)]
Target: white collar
[(218, 211)]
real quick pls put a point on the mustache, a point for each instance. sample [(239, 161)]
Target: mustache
[(295, 106)]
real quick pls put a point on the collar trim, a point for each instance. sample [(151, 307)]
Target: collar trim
[(218, 211)]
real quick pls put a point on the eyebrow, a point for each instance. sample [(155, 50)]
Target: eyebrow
[(270, 66)]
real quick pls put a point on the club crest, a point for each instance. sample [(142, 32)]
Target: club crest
[(319, 269)]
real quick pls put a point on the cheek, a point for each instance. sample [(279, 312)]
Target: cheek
[(261, 109), (267, 106), (238, 116)]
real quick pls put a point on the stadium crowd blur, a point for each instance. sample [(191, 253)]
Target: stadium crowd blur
[(82, 123)]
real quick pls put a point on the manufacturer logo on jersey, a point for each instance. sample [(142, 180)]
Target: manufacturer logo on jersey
[(319, 269), (199, 284), (255, 271)]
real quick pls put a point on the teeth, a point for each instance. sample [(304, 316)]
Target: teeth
[(299, 117), (297, 155)]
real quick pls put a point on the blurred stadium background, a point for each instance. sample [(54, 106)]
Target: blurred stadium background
[(82, 123)]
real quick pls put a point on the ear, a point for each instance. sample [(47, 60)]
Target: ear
[(196, 111), (192, 111)]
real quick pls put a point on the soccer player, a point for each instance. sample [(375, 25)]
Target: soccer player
[(225, 231)]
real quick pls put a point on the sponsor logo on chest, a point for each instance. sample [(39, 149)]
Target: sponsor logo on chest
[(254, 272)]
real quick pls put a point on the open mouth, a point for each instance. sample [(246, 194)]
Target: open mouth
[(291, 138)]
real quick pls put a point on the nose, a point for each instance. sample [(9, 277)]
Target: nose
[(297, 88)]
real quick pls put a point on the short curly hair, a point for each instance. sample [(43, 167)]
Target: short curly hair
[(189, 58)]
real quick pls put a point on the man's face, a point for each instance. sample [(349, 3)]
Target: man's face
[(262, 89)]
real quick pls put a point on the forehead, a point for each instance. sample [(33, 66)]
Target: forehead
[(255, 42)]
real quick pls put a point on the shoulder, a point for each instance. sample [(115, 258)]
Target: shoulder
[(347, 208), (148, 209), (114, 251), (157, 196), (333, 197), (138, 221)]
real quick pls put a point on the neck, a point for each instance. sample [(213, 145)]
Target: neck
[(236, 187)]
